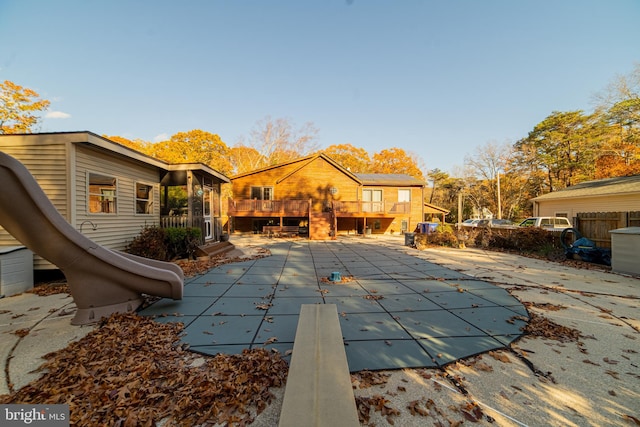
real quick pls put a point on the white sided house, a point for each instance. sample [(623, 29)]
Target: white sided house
[(620, 194), (110, 192)]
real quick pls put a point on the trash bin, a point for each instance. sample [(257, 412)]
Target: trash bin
[(409, 239)]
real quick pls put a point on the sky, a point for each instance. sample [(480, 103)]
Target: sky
[(439, 79)]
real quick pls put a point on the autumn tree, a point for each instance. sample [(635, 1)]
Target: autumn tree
[(137, 144), (18, 108), (396, 161), (194, 146), (620, 108), (279, 140), (245, 159), (354, 159)]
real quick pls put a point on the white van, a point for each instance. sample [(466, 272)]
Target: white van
[(547, 222)]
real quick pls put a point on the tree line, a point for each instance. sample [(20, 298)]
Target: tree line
[(564, 149)]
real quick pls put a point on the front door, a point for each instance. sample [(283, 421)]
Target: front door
[(207, 204)]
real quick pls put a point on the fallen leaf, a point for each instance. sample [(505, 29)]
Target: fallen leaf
[(613, 374), (502, 357)]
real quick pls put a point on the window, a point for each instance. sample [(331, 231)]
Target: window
[(404, 195), (266, 195), (262, 193), (372, 200), (102, 194), (144, 198)]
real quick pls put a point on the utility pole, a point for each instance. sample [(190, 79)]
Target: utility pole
[(499, 203), (459, 207)]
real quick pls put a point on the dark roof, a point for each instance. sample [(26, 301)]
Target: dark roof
[(600, 187), (397, 180), (393, 179)]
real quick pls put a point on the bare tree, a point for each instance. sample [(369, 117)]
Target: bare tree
[(279, 141), (487, 163)]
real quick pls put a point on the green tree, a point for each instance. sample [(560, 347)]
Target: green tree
[(564, 146), (18, 108), (437, 177)]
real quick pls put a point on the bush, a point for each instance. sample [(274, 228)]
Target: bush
[(165, 244), (150, 243), (524, 240), (182, 242), (529, 240), (443, 236)]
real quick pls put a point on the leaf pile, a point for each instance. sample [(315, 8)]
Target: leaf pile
[(378, 404), (539, 326), (133, 371), (202, 265), (47, 289), (366, 379)]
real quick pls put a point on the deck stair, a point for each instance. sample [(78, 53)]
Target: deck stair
[(214, 248)]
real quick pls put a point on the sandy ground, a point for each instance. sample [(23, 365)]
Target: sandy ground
[(591, 381)]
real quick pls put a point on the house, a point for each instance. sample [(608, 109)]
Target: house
[(620, 194), (316, 195), (110, 192), (595, 208)]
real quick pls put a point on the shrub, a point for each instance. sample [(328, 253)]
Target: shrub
[(150, 243), (524, 240), (444, 235), (165, 244), (182, 242)]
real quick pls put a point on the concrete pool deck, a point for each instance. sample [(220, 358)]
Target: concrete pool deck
[(396, 310), (595, 382)]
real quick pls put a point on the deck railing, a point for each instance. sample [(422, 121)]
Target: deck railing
[(180, 221), (301, 207), (248, 206), (363, 207)]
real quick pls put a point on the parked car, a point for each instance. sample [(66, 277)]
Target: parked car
[(547, 222), (470, 222), (495, 223)]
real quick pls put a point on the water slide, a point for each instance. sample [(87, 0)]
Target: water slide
[(102, 281)]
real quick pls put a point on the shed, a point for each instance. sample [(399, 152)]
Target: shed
[(16, 270)]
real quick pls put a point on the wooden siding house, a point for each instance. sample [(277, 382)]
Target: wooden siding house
[(316, 195), (110, 192)]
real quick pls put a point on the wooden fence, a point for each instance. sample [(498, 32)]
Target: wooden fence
[(596, 225)]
